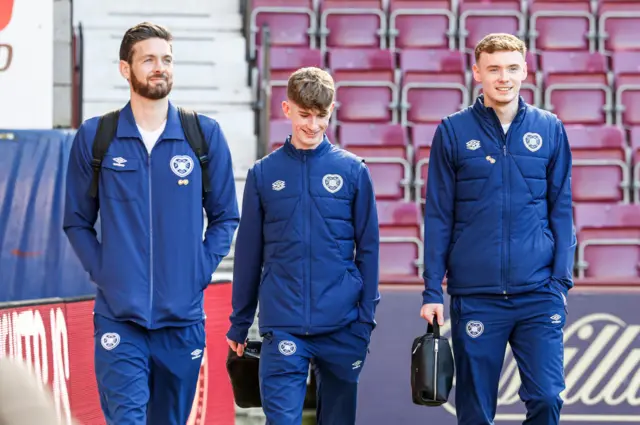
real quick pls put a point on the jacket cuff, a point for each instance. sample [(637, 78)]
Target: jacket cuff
[(431, 296), (238, 335)]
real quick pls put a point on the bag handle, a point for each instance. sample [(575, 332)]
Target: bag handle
[(434, 329)]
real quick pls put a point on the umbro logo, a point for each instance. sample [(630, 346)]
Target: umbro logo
[(356, 364), (556, 318), (196, 354), (278, 185), (119, 161)]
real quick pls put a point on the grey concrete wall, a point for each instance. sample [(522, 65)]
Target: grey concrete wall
[(62, 59)]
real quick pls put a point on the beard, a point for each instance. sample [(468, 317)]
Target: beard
[(155, 92)]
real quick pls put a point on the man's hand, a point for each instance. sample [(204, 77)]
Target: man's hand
[(428, 311), (238, 348)]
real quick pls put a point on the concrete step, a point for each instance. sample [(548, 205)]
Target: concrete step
[(177, 20)]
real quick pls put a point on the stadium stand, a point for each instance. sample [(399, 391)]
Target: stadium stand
[(401, 65)]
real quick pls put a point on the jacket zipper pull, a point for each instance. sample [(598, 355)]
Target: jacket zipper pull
[(504, 150)]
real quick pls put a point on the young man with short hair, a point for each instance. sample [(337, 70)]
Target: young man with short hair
[(307, 251), (151, 266), (498, 222)]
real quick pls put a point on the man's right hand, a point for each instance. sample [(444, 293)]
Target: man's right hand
[(428, 311), (238, 348)]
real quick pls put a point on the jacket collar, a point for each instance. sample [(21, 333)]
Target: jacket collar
[(302, 153), (127, 124), (488, 113)]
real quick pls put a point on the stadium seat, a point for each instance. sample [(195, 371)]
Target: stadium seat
[(352, 23), (421, 24), (608, 240), (421, 137), (530, 89), (562, 25), (577, 78), (601, 160), (626, 71), (283, 61), (399, 218), (290, 22), (278, 94), (481, 17), (634, 141), (434, 84), (384, 148), (365, 85), (618, 25)]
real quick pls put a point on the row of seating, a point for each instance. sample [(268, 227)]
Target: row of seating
[(606, 166), (604, 25), (608, 241), (422, 86)]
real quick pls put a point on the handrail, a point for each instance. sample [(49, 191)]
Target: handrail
[(77, 77)]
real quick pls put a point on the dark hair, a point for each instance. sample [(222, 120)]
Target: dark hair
[(141, 32), (311, 88)]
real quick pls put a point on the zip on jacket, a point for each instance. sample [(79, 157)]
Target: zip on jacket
[(151, 264), (498, 215), (304, 214)]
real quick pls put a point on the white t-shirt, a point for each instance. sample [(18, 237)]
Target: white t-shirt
[(505, 127), (151, 137)]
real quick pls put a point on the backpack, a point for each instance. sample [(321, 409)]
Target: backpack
[(108, 125)]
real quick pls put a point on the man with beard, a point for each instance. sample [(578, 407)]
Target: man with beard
[(151, 265)]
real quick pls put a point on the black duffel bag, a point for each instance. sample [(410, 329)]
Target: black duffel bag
[(432, 368), (243, 374)]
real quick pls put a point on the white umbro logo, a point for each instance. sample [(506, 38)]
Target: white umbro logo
[(472, 145), (555, 318), (356, 364), (278, 185), (196, 354), (119, 161)]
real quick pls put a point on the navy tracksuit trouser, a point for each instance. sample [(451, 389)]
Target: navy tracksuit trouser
[(284, 367), (532, 324), (147, 377)]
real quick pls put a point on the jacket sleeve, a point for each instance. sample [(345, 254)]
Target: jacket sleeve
[(80, 210), (438, 222), (248, 262), (559, 202), (221, 204), (367, 241)]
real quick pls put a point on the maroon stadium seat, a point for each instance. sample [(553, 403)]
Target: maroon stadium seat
[(421, 137), (577, 78), (601, 161), (278, 95), (403, 217), (291, 23), (634, 141), (365, 84), (618, 25), (562, 25), (608, 240), (530, 89), (481, 17), (352, 23), (626, 71), (434, 84), (421, 24), (384, 148), (285, 60)]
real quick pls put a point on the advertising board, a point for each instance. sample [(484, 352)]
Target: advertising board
[(602, 363), (55, 337)]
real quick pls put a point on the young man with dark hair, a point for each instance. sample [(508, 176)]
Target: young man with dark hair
[(498, 222), (307, 252), (151, 266)]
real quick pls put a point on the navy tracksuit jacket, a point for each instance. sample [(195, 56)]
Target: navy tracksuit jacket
[(498, 222), (151, 265), (307, 252)]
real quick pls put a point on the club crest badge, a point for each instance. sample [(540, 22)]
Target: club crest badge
[(332, 182), (532, 141), (475, 328), (181, 165), (287, 347)]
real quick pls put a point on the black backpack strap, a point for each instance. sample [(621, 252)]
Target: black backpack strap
[(195, 137), (105, 133)]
